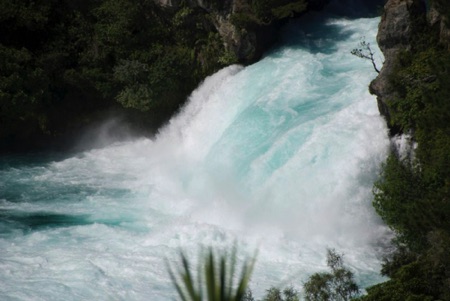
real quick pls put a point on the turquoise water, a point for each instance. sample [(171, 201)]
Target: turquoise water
[(279, 156)]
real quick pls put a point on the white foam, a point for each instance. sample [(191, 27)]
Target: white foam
[(280, 156)]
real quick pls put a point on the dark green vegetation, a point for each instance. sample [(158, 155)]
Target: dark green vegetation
[(413, 194), (263, 12), (276, 294), (63, 64), (339, 284), (214, 280), (66, 64)]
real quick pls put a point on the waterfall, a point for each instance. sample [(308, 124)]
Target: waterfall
[(279, 156)]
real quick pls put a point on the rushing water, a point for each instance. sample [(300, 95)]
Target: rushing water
[(280, 156)]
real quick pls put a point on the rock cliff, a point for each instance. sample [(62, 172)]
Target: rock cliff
[(397, 27), (394, 35), (439, 20), (243, 35)]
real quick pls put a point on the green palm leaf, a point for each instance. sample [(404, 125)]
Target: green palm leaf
[(215, 278)]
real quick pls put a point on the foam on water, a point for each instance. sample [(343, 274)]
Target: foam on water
[(280, 156)]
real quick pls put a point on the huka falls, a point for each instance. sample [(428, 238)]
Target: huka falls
[(278, 157)]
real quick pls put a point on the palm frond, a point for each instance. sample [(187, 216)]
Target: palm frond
[(215, 277)]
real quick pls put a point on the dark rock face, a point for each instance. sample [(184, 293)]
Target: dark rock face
[(395, 29), (437, 20), (246, 43), (394, 35)]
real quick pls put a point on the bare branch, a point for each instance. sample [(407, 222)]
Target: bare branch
[(365, 52)]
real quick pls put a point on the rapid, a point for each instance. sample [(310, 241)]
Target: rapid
[(279, 156)]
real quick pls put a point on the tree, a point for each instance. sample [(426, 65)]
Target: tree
[(365, 52), (338, 285), (275, 294)]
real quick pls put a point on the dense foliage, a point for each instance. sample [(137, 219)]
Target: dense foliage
[(276, 294), (413, 194), (260, 12), (338, 284), (63, 64), (214, 279)]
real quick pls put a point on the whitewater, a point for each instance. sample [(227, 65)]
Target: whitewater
[(279, 157)]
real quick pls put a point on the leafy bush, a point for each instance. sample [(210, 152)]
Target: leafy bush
[(416, 276), (399, 200), (270, 10), (276, 294), (264, 12), (77, 59), (338, 285), (412, 196)]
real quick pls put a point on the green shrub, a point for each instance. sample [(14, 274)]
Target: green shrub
[(338, 284), (412, 195), (276, 294)]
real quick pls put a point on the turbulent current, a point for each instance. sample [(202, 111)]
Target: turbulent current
[(279, 156)]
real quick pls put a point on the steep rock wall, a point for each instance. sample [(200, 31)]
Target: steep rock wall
[(248, 40), (396, 34), (438, 19)]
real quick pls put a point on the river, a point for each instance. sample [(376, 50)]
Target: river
[(279, 156)]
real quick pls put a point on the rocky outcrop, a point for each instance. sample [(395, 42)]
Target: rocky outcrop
[(438, 20), (246, 42), (395, 34)]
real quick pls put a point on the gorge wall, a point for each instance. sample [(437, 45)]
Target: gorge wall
[(68, 66), (412, 193), (246, 29), (400, 21)]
